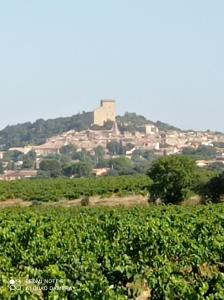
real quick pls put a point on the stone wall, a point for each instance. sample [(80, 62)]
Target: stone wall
[(105, 112)]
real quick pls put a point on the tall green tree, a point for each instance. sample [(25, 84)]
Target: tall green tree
[(99, 152), (116, 148), (123, 165), (99, 155), (174, 178), (1, 168), (83, 156), (81, 169)]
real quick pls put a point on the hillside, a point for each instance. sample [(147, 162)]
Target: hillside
[(133, 122), (37, 132)]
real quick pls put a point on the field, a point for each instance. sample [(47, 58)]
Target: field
[(47, 190), (94, 201), (171, 252)]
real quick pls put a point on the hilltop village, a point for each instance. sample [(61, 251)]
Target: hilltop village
[(102, 144)]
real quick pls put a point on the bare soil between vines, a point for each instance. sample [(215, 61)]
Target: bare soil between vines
[(113, 201)]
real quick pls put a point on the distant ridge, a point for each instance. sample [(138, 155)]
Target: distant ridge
[(37, 132)]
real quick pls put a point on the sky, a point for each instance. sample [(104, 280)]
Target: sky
[(162, 59)]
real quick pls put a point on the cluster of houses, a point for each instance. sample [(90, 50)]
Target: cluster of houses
[(151, 138), (148, 137), (164, 143)]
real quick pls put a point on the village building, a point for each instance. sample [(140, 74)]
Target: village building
[(18, 174)]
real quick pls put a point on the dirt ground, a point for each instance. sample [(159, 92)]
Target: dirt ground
[(113, 201), (14, 202)]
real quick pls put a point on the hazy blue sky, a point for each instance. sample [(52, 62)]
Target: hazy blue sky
[(163, 59)]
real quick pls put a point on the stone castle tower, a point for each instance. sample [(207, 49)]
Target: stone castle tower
[(106, 111)]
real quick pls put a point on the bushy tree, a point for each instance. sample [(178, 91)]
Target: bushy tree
[(174, 178), (141, 167), (83, 156), (29, 160), (81, 169), (14, 155), (122, 165), (213, 190), (203, 151), (52, 167)]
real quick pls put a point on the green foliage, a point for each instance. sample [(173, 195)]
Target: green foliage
[(13, 156), (83, 254), (68, 150), (40, 130), (142, 160), (103, 163), (218, 144), (81, 169), (132, 118), (174, 178), (141, 167), (204, 176), (213, 189), (51, 167), (165, 127), (1, 168), (108, 125), (83, 156), (122, 165), (129, 146), (27, 163), (202, 152), (132, 122), (11, 165), (216, 166), (31, 155), (99, 152), (116, 148), (62, 188)]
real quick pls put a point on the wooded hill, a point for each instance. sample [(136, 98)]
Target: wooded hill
[(37, 132)]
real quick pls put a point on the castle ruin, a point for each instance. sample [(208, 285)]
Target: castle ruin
[(106, 112)]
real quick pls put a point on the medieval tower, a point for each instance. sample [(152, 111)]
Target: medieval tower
[(105, 112)]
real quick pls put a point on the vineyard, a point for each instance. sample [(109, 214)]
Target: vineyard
[(60, 189), (171, 252)]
